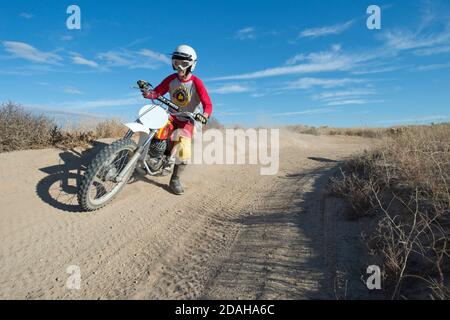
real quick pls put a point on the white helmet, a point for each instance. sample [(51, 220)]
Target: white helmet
[(184, 58)]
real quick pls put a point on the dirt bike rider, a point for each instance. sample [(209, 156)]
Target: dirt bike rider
[(188, 92)]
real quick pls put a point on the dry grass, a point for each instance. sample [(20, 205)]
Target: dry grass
[(20, 130), (360, 132), (405, 185)]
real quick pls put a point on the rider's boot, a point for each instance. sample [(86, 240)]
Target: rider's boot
[(175, 183)]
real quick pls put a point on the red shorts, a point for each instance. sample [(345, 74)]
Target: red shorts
[(184, 128)]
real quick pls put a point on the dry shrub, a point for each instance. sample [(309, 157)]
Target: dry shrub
[(356, 183), (324, 130), (358, 132), (305, 129), (405, 181), (84, 134), (71, 139), (20, 129), (111, 128)]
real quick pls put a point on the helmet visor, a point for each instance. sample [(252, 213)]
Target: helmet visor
[(182, 56)]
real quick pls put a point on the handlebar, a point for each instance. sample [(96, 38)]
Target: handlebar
[(185, 115), (145, 87)]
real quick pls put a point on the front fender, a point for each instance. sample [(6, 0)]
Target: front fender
[(137, 127)]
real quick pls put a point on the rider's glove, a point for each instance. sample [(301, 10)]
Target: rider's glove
[(150, 95), (203, 118), (142, 84)]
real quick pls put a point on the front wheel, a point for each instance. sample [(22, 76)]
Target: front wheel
[(99, 185)]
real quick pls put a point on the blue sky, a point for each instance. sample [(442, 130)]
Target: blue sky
[(263, 62)]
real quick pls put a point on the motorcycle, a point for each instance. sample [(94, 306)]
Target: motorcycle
[(114, 165)]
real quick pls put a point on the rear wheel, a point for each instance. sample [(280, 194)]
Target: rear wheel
[(99, 185)]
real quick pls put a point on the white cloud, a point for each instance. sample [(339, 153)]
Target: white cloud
[(30, 53), (231, 88), (116, 59), (245, 33), (73, 90), (26, 15), (306, 83), (143, 59), (433, 51), (360, 63), (406, 40), (337, 65), (343, 94), (156, 56), (431, 37), (352, 102), (377, 60), (259, 94), (432, 67), (28, 70), (325, 61), (305, 112), (297, 58), (325, 31), (66, 38), (78, 59), (280, 114), (377, 69)]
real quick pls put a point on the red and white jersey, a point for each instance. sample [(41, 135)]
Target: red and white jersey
[(187, 94)]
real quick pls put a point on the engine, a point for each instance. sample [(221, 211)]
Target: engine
[(157, 148)]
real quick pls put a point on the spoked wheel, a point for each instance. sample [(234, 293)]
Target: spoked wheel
[(100, 185)]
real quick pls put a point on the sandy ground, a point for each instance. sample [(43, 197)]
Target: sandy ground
[(235, 234)]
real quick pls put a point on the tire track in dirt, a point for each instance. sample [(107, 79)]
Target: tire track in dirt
[(273, 259), (152, 244)]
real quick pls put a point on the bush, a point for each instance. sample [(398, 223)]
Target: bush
[(305, 129), (405, 183), (23, 130), (325, 130), (111, 128), (20, 130)]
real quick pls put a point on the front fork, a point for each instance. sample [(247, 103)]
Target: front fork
[(140, 154)]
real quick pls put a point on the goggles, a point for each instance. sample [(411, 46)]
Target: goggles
[(183, 64)]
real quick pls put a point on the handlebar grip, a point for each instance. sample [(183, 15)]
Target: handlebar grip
[(201, 118), (143, 85)]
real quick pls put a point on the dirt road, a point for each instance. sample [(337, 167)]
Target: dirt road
[(235, 234)]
